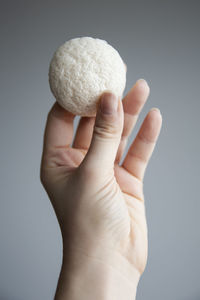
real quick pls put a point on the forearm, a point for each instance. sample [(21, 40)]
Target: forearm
[(101, 276)]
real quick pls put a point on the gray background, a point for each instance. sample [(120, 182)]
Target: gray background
[(159, 41)]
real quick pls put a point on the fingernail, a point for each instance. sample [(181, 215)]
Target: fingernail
[(109, 103), (143, 81), (155, 108)]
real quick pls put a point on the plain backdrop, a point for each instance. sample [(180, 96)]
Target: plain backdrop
[(159, 41)]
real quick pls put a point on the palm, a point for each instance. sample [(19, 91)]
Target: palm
[(131, 188), (70, 158)]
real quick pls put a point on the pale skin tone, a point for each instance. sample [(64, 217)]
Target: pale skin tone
[(98, 199)]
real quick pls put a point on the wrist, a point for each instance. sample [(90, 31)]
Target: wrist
[(100, 275)]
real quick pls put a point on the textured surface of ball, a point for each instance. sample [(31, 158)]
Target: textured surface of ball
[(81, 70)]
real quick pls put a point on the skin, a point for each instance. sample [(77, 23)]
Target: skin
[(98, 199)]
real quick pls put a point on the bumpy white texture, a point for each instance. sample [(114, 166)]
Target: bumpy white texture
[(81, 70)]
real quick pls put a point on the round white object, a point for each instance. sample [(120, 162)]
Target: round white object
[(81, 70)]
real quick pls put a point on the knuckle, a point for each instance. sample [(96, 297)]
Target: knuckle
[(105, 130)]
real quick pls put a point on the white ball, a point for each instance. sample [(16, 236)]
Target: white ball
[(81, 70)]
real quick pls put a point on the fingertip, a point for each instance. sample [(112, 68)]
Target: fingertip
[(110, 104), (155, 109), (151, 126), (59, 112), (155, 113), (142, 84), (140, 91)]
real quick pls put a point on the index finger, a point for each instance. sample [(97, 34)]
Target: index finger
[(59, 128)]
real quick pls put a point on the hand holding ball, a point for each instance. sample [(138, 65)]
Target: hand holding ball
[(81, 70)]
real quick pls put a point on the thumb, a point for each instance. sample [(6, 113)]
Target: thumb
[(106, 134)]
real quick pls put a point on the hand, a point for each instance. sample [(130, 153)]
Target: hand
[(99, 202)]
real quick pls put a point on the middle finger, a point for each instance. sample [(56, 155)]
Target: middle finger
[(133, 103)]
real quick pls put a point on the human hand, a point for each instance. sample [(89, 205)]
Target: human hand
[(99, 202)]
